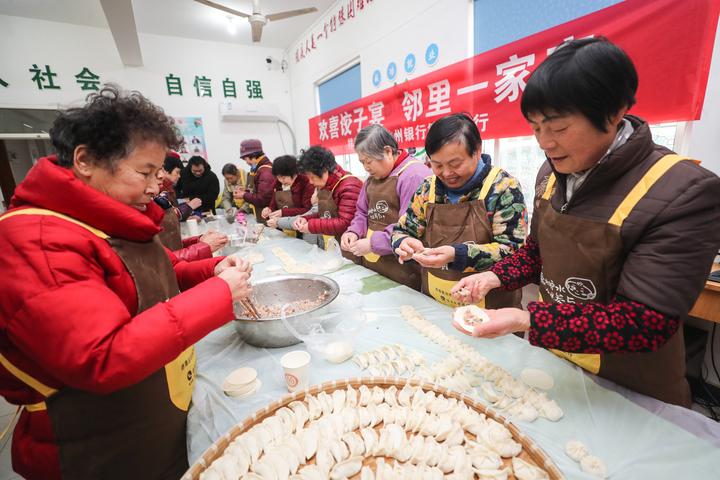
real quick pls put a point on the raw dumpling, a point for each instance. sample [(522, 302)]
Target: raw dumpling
[(536, 378), (593, 466), (551, 411), (346, 469), (576, 450), (525, 471)]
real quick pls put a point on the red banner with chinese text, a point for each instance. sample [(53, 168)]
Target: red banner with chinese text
[(670, 43)]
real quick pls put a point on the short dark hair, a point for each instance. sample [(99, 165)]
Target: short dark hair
[(110, 124), (196, 160), (171, 163), (590, 76), (285, 166), (316, 160), (229, 169), (455, 128)]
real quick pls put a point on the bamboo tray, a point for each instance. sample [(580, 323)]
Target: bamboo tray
[(530, 451)]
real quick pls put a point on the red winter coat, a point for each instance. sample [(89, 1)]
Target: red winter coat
[(301, 191), (68, 311), (264, 186), (345, 196)]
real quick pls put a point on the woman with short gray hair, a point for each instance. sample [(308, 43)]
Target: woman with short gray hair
[(393, 178)]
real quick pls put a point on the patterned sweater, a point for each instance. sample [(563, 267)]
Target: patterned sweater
[(506, 212)]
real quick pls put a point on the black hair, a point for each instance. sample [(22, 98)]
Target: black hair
[(316, 160), (229, 169), (285, 166), (455, 128), (171, 163), (590, 76), (196, 160), (110, 125)]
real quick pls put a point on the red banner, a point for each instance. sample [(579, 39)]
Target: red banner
[(669, 41)]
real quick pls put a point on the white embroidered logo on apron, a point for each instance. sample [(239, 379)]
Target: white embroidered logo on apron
[(581, 288), (379, 210)]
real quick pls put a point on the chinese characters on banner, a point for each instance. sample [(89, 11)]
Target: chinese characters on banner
[(191, 128), (202, 86), (672, 62), (345, 12)]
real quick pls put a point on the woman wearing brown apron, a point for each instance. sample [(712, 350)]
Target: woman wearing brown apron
[(623, 235), (464, 218), (96, 344), (337, 196), (293, 193), (393, 178)]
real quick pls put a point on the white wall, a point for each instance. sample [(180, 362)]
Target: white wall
[(387, 30), (68, 48), (703, 137)]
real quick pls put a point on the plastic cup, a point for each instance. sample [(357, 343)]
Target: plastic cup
[(193, 227), (296, 366)]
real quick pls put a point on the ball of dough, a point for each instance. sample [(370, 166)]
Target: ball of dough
[(338, 352)]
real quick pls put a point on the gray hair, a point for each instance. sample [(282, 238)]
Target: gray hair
[(373, 139)]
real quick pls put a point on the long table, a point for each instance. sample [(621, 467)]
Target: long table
[(636, 436)]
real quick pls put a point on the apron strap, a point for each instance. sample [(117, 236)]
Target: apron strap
[(489, 181), (340, 180), (549, 187), (51, 213), (643, 186), (25, 378), (411, 162)]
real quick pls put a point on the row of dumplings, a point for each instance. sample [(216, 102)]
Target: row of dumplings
[(499, 388), (420, 428)]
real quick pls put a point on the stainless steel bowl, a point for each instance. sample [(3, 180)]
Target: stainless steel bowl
[(270, 332)]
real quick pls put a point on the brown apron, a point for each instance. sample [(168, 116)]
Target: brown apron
[(251, 186), (384, 210), (283, 199), (140, 430), (170, 233), (464, 222), (581, 262), (328, 209)]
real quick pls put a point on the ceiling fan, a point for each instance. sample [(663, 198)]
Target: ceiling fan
[(258, 19)]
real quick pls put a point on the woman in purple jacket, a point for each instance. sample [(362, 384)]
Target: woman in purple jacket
[(393, 178)]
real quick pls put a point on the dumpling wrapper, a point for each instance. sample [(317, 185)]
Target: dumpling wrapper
[(469, 316)]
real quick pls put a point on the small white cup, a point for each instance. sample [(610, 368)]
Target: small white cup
[(296, 366), (193, 228)]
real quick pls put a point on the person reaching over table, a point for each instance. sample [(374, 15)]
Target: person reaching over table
[(623, 234), (394, 176), (464, 218), (96, 341)]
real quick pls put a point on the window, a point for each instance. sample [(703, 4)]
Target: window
[(343, 88)]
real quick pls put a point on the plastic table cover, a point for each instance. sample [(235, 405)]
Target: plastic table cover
[(636, 436)]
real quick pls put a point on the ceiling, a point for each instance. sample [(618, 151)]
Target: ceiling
[(180, 18)]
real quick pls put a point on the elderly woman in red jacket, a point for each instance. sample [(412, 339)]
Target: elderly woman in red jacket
[(96, 340), (338, 192)]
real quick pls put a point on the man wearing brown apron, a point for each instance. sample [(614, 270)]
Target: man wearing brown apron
[(393, 178), (463, 219), (623, 235)]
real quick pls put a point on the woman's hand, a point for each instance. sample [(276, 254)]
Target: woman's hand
[(361, 247), (216, 240), (474, 288), (301, 225), (272, 222), (435, 257), (502, 322), (347, 240), (408, 248), (265, 212), (238, 281), (195, 203), (233, 262)]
